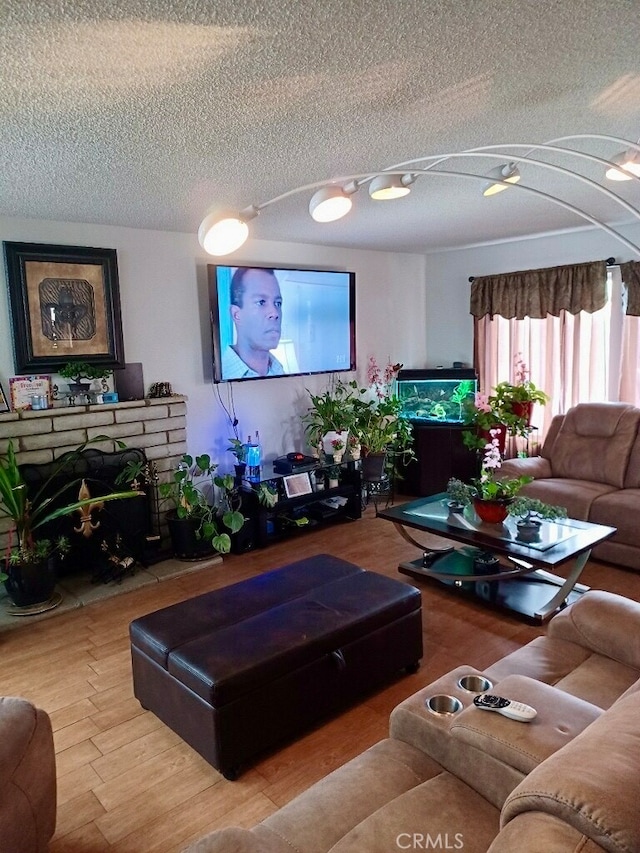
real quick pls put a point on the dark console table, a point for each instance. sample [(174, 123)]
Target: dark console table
[(295, 515)]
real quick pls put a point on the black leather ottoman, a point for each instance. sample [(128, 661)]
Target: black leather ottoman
[(237, 670)]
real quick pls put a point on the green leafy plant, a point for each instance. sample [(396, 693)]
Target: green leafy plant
[(267, 494), (332, 410), (380, 427), (505, 394), (76, 371), (529, 510), (196, 492), (238, 449), (31, 511)]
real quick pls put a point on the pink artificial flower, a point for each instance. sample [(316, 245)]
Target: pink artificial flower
[(521, 371), (481, 402)]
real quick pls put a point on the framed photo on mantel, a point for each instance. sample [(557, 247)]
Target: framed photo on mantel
[(65, 306)]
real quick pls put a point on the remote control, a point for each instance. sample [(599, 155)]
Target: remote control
[(506, 707)]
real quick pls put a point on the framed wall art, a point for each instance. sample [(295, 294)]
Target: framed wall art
[(65, 306)]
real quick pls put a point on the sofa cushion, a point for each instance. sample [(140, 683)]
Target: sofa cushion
[(543, 658), (620, 509), (442, 813), (593, 782), (577, 496), (632, 477), (594, 442), (320, 816)]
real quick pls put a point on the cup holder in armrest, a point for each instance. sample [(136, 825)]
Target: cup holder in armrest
[(443, 705), (475, 683)]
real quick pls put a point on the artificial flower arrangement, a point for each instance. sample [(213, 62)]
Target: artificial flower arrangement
[(337, 444), (489, 487)]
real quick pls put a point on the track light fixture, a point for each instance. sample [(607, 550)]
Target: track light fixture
[(384, 187), (509, 173), (625, 166), (222, 235), (331, 203)]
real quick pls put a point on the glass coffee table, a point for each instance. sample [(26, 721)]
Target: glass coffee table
[(499, 563)]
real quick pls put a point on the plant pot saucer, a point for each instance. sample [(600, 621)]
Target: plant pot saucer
[(34, 609)]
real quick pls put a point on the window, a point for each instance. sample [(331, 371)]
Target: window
[(574, 358)]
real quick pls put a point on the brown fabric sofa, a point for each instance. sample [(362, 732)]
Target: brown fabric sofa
[(27, 777), (590, 464), (472, 780)]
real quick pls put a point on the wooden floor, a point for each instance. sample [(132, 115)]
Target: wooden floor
[(127, 783)]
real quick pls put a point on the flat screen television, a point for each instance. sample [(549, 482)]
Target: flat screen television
[(272, 321)]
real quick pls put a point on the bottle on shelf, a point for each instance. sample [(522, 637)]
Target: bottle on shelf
[(254, 457)]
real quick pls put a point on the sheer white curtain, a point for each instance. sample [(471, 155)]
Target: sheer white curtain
[(573, 357)]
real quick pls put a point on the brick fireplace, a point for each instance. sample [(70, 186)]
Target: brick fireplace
[(156, 426)]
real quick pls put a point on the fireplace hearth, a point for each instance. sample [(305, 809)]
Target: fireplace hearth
[(108, 538)]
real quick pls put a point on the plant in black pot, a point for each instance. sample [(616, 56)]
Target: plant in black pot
[(239, 450), (30, 561), (203, 504)]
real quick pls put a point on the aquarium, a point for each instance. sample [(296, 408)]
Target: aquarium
[(436, 395)]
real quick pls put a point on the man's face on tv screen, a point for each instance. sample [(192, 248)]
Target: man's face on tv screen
[(259, 320)]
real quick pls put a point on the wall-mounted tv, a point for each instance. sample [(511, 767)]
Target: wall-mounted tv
[(271, 321)]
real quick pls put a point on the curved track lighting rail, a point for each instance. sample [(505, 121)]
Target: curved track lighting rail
[(235, 229)]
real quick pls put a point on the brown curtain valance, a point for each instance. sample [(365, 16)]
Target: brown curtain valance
[(536, 293), (631, 276)]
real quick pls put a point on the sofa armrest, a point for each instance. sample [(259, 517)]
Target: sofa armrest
[(531, 466), (592, 783), (27, 777), (602, 622)]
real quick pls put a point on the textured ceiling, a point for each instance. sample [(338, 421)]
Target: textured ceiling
[(149, 114)]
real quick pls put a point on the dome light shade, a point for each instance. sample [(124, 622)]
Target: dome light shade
[(625, 166), (385, 187), (222, 236), (329, 204), (509, 173)]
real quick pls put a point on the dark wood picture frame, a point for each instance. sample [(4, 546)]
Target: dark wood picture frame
[(65, 306)]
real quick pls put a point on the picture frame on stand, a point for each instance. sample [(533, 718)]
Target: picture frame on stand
[(65, 306)]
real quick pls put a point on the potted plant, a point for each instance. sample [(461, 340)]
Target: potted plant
[(30, 560), (203, 504), (337, 449), (239, 450), (330, 415), (518, 398), (382, 432), (76, 371), (494, 498), (481, 415)]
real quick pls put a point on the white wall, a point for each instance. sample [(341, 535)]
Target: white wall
[(449, 323), (163, 292)]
